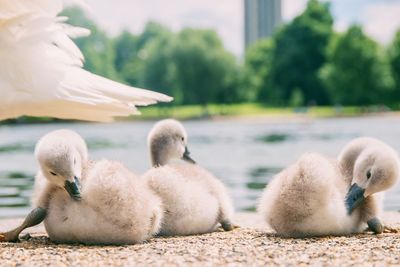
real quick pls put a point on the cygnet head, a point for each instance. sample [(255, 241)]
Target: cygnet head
[(167, 141), (375, 170), (61, 155)]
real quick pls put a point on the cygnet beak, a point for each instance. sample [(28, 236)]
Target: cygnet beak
[(186, 156), (73, 188), (354, 197)]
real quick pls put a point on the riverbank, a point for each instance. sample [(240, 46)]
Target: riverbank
[(251, 245), (236, 111), (254, 110)]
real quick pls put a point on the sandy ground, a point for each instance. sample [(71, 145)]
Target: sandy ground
[(251, 245)]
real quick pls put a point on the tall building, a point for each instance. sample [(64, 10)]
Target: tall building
[(261, 17)]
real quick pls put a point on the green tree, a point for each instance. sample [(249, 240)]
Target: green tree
[(394, 59), (257, 67), (356, 73), (203, 70), (126, 49), (158, 68), (97, 47), (134, 52), (153, 30), (300, 51), (127, 63)]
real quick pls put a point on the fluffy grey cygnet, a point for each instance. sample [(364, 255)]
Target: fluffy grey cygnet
[(92, 202), (317, 196), (194, 200)]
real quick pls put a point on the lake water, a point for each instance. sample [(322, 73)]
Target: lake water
[(243, 154)]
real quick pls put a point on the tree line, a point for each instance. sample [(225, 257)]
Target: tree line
[(304, 63)]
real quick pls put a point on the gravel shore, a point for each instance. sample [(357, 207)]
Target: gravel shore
[(251, 245)]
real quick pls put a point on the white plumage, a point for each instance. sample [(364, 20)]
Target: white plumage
[(42, 71)]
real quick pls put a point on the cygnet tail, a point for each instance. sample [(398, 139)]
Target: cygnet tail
[(304, 198), (314, 180), (122, 199)]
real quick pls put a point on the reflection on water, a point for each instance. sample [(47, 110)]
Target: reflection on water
[(245, 155), (15, 192), (263, 172), (260, 176), (201, 139), (274, 137), (15, 147), (103, 144), (257, 179)]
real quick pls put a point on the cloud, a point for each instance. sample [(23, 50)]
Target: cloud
[(292, 8), (382, 20), (341, 25)]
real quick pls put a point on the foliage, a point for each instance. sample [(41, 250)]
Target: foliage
[(134, 52), (127, 61), (203, 69), (300, 51), (394, 60), (303, 63), (98, 49), (158, 69), (258, 62), (191, 65), (356, 73)]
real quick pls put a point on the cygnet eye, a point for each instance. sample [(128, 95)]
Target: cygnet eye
[(53, 173), (183, 138), (369, 174)]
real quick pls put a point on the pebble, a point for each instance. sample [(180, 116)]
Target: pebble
[(246, 246)]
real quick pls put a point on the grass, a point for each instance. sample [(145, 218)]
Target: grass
[(156, 112), (242, 110)]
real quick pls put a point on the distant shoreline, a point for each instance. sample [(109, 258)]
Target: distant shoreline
[(241, 112)]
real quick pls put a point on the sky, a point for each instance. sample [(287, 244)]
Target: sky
[(380, 18)]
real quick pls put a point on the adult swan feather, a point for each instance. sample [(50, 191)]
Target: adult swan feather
[(42, 71)]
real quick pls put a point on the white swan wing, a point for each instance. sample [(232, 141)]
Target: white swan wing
[(42, 71)]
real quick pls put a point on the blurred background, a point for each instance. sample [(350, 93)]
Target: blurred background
[(258, 83)]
